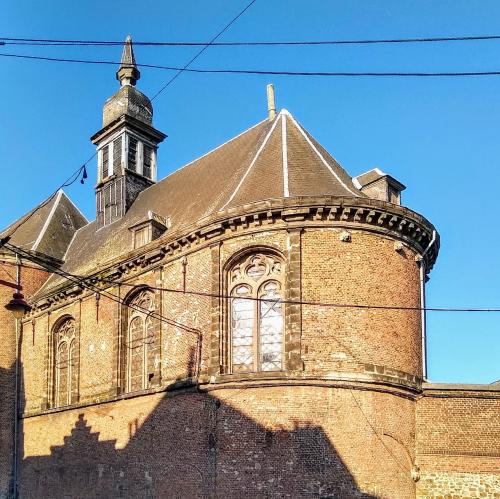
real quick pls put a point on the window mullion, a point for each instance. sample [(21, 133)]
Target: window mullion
[(256, 330)]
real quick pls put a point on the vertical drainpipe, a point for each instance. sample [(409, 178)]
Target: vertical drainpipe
[(423, 317), (16, 388)]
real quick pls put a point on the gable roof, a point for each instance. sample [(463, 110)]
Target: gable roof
[(271, 160), (48, 228)]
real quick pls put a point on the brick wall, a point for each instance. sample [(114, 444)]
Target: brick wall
[(307, 434), (31, 279), (236, 442), (458, 441), (364, 270)]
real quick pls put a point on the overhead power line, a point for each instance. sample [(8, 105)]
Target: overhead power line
[(80, 173), (269, 72), (82, 170), (309, 302), (268, 43), (87, 281), (225, 28)]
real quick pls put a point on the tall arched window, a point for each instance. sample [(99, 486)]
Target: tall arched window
[(65, 385), (140, 345), (256, 327)]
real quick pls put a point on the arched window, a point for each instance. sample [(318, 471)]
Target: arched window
[(65, 355), (140, 343), (256, 328)]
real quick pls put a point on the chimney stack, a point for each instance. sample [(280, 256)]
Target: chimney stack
[(271, 106)]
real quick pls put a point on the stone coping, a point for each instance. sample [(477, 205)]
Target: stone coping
[(365, 382), (428, 386)]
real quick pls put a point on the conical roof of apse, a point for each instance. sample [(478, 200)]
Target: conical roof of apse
[(273, 160)]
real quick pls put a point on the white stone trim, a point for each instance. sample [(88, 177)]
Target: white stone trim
[(284, 146), (320, 156), (49, 219), (254, 160)]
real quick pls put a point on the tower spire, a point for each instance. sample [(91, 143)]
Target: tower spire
[(128, 74)]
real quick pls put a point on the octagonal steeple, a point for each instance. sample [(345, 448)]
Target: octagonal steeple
[(126, 144)]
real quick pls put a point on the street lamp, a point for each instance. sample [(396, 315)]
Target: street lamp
[(18, 306)]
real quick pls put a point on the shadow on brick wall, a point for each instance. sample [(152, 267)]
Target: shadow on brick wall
[(191, 446)]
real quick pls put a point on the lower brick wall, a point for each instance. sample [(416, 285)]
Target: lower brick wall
[(282, 441), (458, 441)]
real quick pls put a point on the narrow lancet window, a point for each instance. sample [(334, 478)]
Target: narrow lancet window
[(65, 379), (141, 345)]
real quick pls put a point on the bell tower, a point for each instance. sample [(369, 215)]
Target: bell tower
[(126, 144)]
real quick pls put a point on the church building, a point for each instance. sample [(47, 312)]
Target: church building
[(250, 326)]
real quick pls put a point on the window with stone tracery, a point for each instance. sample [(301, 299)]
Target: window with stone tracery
[(66, 361), (256, 314), (140, 345)]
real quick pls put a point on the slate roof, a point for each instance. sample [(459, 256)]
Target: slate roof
[(273, 159), (48, 228)]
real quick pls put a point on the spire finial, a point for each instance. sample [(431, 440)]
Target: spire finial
[(128, 74)]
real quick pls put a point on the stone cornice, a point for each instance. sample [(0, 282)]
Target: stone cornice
[(363, 214), (339, 380)]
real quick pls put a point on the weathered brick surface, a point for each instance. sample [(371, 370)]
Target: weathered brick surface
[(365, 271), (459, 485), (244, 442), (31, 280), (458, 442), (338, 422)]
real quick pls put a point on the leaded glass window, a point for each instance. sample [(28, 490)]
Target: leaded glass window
[(65, 385), (256, 314), (140, 345)]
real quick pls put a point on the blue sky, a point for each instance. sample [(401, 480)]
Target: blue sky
[(440, 137)]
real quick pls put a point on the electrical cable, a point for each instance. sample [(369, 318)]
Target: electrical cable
[(265, 72), (82, 170), (226, 27), (60, 42), (82, 282), (313, 303), (110, 282)]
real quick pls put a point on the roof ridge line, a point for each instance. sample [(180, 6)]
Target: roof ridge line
[(284, 156), (320, 156), (254, 160), (49, 219), (76, 207)]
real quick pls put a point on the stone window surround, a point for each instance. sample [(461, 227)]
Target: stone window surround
[(220, 350), (121, 336), (51, 367)]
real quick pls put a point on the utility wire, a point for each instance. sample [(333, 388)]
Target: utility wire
[(226, 27), (264, 72), (81, 171), (311, 303), (58, 42), (84, 281), (91, 287)]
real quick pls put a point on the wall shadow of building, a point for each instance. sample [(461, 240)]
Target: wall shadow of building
[(191, 445)]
